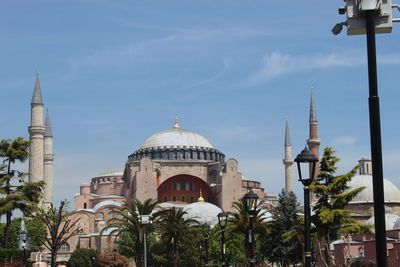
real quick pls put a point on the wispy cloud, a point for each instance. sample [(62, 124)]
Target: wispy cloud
[(344, 140), (277, 64), (237, 132), (215, 76)]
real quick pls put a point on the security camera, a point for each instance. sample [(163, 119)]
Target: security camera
[(337, 29), (342, 10)]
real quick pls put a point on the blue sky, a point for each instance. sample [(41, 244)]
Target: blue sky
[(115, 72)]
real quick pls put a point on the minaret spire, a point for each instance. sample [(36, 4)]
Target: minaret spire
[(313, 142), (37, 98), (176, 125), (36, 134), (313, 112), (48, 160), (288, 161), (47, 125)]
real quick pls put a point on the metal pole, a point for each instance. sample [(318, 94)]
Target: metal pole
[(206, 251), (251, 241), (376, 144), (145, 247), (24, 256), (307, 223), (223, 247)]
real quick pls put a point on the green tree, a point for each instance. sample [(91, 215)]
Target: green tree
[(59, 225), (14, 192), (282, 245), (83, 257), (234, 247), (36, 233), (332, 218), (239, 222), (127, 222), (173, 227)]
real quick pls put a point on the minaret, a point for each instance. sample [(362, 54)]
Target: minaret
[(288, 161), (313, 142), (36, 135), (48, 162)]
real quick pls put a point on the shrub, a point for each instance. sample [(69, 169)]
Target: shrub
[(112, 259), (83, 257), (11, 255)]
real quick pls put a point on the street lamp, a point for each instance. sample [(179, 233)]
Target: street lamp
[(206, 234), (222, 221), (307, 157), (23, 236), (251, 200), (145, 220)]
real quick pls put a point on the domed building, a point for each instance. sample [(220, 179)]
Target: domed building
[(173, 166), (177, 167), (362, 206)]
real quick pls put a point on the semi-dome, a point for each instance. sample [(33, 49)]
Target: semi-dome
[(392, 193), (392, 221), (176, 137), (203, 212)]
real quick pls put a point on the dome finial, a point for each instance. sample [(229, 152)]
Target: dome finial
[(176, 125), (200, 199)]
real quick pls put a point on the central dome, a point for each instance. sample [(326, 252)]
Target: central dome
[(176, 137)]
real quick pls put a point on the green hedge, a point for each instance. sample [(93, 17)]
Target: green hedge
[(8, 255)]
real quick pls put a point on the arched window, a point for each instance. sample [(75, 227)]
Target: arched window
[(174, 198), (100, 216), (183, 198), (64, 248), (85, 205), (165, 198), (191, 199), (165, 187)]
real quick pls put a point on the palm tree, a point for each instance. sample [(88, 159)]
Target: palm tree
[(239, 221), (127, 220), (173, 226)]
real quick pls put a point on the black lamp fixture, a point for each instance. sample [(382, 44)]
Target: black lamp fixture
[(306, 157), (251, 200), (23, 236), (222, 221)]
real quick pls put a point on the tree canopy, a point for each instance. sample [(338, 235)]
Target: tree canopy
[(15, 193)]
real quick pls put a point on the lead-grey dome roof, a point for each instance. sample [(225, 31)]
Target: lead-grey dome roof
[(176, 137), (392, 193)]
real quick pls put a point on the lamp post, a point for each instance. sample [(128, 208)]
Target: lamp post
[(23, 239), (145, 220), (307, 157), (222, 221), (23, 236), (251, 199), (206, 233)]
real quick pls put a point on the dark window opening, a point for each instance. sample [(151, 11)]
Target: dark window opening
[(183, 198), (85, 205), (174, 186), (174, 198), (191, 199), (165, 198), (165, 188), (182, 185)]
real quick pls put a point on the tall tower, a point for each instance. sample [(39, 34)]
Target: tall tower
[(313, 142), (48, 160), (288, 161), (36, 135)]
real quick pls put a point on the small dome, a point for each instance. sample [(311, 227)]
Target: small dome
[(176, 137), (203, 212), (392, 221), (392, 193)]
